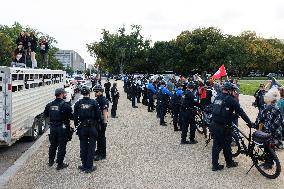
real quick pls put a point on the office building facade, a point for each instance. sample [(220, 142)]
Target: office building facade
[(70, 58)]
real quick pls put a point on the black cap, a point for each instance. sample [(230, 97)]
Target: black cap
[(59, 91), (85, 90), (228, 86), (98, 88)]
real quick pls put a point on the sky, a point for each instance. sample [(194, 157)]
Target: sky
[(75, 23)]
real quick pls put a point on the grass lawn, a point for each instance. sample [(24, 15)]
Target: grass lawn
[(248, 87)]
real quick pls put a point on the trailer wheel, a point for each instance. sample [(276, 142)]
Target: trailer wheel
[(41, 126), (34, 131)]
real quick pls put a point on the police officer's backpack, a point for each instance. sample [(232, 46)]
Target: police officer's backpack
[(220, 109)]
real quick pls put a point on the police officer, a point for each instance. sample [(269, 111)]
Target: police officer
[(59, 114), (133, 92), (107, 86), (222, 116), (101, 140), (87, 119), (176, 105), (188, 115), (115, 97), (163, 99), (150, 94), (138, 89)]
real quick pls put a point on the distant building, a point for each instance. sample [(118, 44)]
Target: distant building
[(70, 58)]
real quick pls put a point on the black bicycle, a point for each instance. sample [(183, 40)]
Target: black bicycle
[(202, 122), (260, 148)]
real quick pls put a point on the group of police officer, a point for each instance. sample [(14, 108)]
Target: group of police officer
[(183, 103), (90, 118)]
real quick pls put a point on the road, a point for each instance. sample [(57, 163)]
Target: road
[(8, 155), (142, 154)]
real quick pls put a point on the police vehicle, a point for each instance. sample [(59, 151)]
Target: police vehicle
[(24, 94)]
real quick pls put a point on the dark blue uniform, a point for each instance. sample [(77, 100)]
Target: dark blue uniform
[(88, 118), (115, 97), (176, 105), (188, 116), (162, 103), (59, 114), (150, 94), (133, 92), (222, 116), (101, 140), (107, 86)]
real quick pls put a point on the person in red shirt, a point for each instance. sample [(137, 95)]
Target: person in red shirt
[(202, 93)]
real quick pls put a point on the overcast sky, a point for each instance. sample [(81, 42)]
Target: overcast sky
[(74, 23)]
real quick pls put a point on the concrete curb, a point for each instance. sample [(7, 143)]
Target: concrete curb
[(11, 171)]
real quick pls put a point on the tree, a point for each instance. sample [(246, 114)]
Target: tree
[(121, 52), (8, 37)]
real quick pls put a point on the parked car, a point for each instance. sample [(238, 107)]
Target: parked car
[(272, 74), (117, 77)]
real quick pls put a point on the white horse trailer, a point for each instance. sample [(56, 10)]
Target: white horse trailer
[(24, 94)]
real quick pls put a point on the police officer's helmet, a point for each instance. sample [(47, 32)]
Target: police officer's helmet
[(98, 88), (228, 86), (190, 85), (59, 91), (85, 90)]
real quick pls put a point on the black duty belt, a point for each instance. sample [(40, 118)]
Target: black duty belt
[(88, 123)]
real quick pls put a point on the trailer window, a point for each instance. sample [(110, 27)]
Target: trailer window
[(27, 86), (27, 77), (36, 76), (14, 88), (0, 78), (20, 87), (21, 76), (40, 76), (14, 77), (0, 88), (40, 84), (32, 76)]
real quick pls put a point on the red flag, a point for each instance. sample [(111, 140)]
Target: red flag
[(220, 73)]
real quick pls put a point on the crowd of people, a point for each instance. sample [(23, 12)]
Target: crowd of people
[(27, 46), (181, 98), (178, 97)]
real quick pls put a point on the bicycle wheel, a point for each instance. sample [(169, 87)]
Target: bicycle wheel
[(235, 146), (199, 123), (267, 163)]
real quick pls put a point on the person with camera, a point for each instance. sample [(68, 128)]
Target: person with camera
[(224, 107), (115, 97), (87, 120), (59, 113), (101, 140)]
